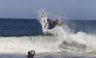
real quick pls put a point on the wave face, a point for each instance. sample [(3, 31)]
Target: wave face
[(22, 35)]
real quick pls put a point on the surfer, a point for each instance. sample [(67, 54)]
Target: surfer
[(31, 54), (53, 24)]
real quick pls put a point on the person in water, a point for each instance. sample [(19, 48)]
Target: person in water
[(31, 54), (52, 24)]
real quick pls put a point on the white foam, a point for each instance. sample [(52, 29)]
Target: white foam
[(89, 40), (45, 43), (24, 44)]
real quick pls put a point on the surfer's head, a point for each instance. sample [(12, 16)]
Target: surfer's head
[(56, 21), (32, 50)]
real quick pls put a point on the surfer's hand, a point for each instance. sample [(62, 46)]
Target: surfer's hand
[(61, 21)]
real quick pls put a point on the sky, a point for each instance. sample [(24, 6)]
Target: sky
[(72, 9)]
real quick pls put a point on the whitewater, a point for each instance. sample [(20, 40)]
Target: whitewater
[(79, 42), (48, 45)]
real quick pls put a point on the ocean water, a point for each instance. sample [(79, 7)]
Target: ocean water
[(18, 36)]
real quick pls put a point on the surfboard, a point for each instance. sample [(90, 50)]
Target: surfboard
[(44, 21)]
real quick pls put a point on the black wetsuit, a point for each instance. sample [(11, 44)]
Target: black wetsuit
[(30, 55), (51, 25)]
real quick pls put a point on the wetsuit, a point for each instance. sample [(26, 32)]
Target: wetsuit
[(51, 25), (30, 55)]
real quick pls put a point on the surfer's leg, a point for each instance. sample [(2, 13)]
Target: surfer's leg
[(46, 24), (44, 33)]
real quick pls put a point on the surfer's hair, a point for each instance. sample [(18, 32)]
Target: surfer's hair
[(48, 19), (56, 20)]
